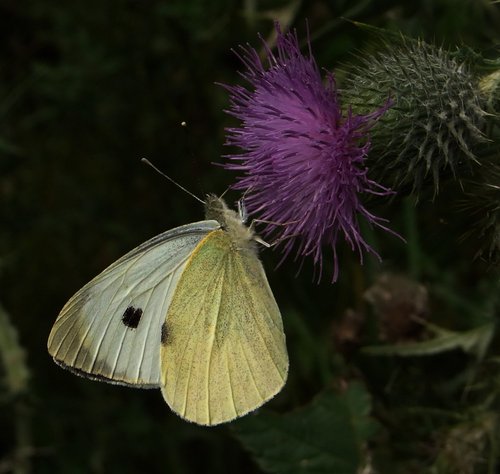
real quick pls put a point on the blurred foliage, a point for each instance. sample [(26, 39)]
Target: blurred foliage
[(329, 435), (88, 89)]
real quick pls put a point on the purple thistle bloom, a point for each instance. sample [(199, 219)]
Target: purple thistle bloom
[(302, 162)]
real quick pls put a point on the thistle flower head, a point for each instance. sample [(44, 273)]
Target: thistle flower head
[(302, 158), (437, 117)]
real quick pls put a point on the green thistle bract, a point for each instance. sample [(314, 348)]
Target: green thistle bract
[(437, 115)]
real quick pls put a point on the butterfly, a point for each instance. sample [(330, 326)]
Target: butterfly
[(189, 311)]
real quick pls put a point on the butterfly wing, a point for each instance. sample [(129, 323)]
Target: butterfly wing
[(110, 329), (223, 351)]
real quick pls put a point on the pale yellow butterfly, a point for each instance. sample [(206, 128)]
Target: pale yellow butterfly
[(189, 311)]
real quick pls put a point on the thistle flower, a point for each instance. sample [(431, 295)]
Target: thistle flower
[(302, 160), (437, 118)]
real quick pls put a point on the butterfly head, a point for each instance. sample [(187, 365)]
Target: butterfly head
[(230, 221)]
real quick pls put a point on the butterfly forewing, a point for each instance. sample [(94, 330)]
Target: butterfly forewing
[(223, 352), (111, 329)]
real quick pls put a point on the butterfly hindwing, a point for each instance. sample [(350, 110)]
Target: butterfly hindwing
[(223, 351), (111, 329)]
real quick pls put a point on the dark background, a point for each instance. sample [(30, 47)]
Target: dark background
[(86, 90)]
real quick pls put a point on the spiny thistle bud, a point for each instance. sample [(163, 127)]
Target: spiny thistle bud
[(437, 115), (483, 205), (489, 86)]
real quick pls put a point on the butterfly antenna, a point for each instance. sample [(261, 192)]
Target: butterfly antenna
[(224, 193), (145, 160)]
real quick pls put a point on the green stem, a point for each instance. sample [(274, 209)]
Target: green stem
[(413, 246)]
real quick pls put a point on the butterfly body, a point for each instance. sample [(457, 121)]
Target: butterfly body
[(189, 311)]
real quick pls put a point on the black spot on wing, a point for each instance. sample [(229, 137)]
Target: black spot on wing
[(132, 317), (164, 334)]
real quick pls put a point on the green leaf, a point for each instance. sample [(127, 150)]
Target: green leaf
[(13, 356), (474, 341), (384, 33), (326, 436)]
